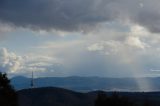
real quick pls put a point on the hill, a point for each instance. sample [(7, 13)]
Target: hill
[(51, 96)]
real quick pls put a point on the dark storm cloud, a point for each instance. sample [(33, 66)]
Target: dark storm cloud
[(47, 14), (73, 15), (150, 20)]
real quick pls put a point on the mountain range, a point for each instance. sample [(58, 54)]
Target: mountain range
[(85, 84)]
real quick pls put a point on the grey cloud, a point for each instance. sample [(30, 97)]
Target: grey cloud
[(67, 15), (150, 20), (142, 12), (73, 15)]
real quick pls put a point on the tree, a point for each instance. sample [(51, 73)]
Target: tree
[(8, 96), (113, 100), (101, 99), (147, 102)]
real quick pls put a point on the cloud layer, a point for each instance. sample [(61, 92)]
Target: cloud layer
[(73, 15), (52, 14)]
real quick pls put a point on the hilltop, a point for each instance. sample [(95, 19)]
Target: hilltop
[(52, 96)]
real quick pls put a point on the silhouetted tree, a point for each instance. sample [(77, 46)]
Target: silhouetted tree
[(8, 96), (113, 100), (101, 99), (147, 102)]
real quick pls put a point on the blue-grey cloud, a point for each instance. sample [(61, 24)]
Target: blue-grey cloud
[(73, 15), (49, 14)]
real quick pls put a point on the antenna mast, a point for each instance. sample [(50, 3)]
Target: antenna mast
[(32, 80)]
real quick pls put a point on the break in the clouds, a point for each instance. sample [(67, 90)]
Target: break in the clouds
[(73, 15)]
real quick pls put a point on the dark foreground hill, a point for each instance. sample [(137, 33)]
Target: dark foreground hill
[(51, 96), (54, 97)]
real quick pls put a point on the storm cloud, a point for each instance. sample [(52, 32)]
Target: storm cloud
[(67, 15), (78, 15)]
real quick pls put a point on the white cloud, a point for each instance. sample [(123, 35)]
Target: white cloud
[(137, 30), (9, 61), (135, 42), (5, 28), (96, 47), (154, 70)]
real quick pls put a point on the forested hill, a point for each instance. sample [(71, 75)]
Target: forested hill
[(51, 96)]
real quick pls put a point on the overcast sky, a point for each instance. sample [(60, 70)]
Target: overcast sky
[(107, 38)]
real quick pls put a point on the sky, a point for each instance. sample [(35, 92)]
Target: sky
[(106, 38)]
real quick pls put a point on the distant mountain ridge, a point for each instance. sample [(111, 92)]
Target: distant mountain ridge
[(85, 83)]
